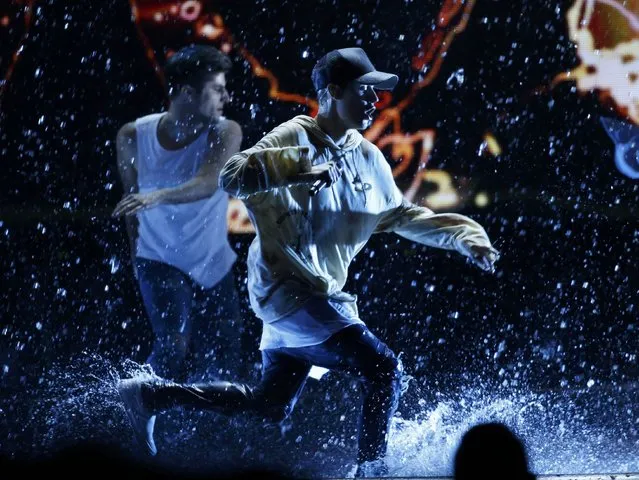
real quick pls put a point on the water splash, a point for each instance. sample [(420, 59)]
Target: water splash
[(564, 432), (590, 430), (72, 403)]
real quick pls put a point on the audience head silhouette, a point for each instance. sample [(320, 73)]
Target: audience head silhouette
[(492, 451)]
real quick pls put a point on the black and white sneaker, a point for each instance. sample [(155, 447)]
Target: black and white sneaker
[(142, 420)]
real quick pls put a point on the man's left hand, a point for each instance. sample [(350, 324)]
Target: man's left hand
[(136, 202), (484, 257)]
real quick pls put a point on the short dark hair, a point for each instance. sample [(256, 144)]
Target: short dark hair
[(192, 64), (318, 72)]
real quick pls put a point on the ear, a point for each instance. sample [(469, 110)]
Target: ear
[(188, 91), (335, 91)]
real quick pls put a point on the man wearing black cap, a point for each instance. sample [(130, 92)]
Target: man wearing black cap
[(316, 191)]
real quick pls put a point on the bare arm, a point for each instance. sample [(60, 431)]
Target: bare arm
[(126, 147), (225, 141)]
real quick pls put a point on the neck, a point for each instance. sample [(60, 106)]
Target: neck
[(332, 125), (178, 119)]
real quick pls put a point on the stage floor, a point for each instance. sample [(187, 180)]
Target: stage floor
[(603, 476)]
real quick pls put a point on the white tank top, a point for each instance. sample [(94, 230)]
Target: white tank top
[(189, 236)]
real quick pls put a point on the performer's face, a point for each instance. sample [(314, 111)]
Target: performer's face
[(356, 105), (213, 96)]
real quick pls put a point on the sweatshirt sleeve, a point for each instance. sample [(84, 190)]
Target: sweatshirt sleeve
[(267, 165), (449, 231)]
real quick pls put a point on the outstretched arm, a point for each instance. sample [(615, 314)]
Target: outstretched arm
[(450, 231)]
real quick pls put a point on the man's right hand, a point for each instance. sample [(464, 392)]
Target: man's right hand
[(136, 202)]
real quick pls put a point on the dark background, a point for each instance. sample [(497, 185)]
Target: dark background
[(559, 313)]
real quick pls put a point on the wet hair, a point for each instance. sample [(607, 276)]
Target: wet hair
[(192, 66)]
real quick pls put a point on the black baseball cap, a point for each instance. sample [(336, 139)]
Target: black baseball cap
[(347, 64)]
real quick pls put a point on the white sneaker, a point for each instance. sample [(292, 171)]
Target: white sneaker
[(141, 419)]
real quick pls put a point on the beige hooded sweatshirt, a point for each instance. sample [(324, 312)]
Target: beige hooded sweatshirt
[(304, 244)]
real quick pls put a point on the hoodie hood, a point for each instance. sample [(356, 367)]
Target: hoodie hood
[(353, 137)]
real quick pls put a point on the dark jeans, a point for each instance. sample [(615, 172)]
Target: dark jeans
[(198, 331), (354, 350)]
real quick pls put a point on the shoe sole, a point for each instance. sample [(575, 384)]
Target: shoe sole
[(127, 395)]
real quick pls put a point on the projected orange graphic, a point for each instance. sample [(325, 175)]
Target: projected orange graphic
[(410, 152), (404, 148), (606, 34), (5, 21)]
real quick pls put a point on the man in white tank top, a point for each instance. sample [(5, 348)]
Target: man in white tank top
[(176, 218)]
